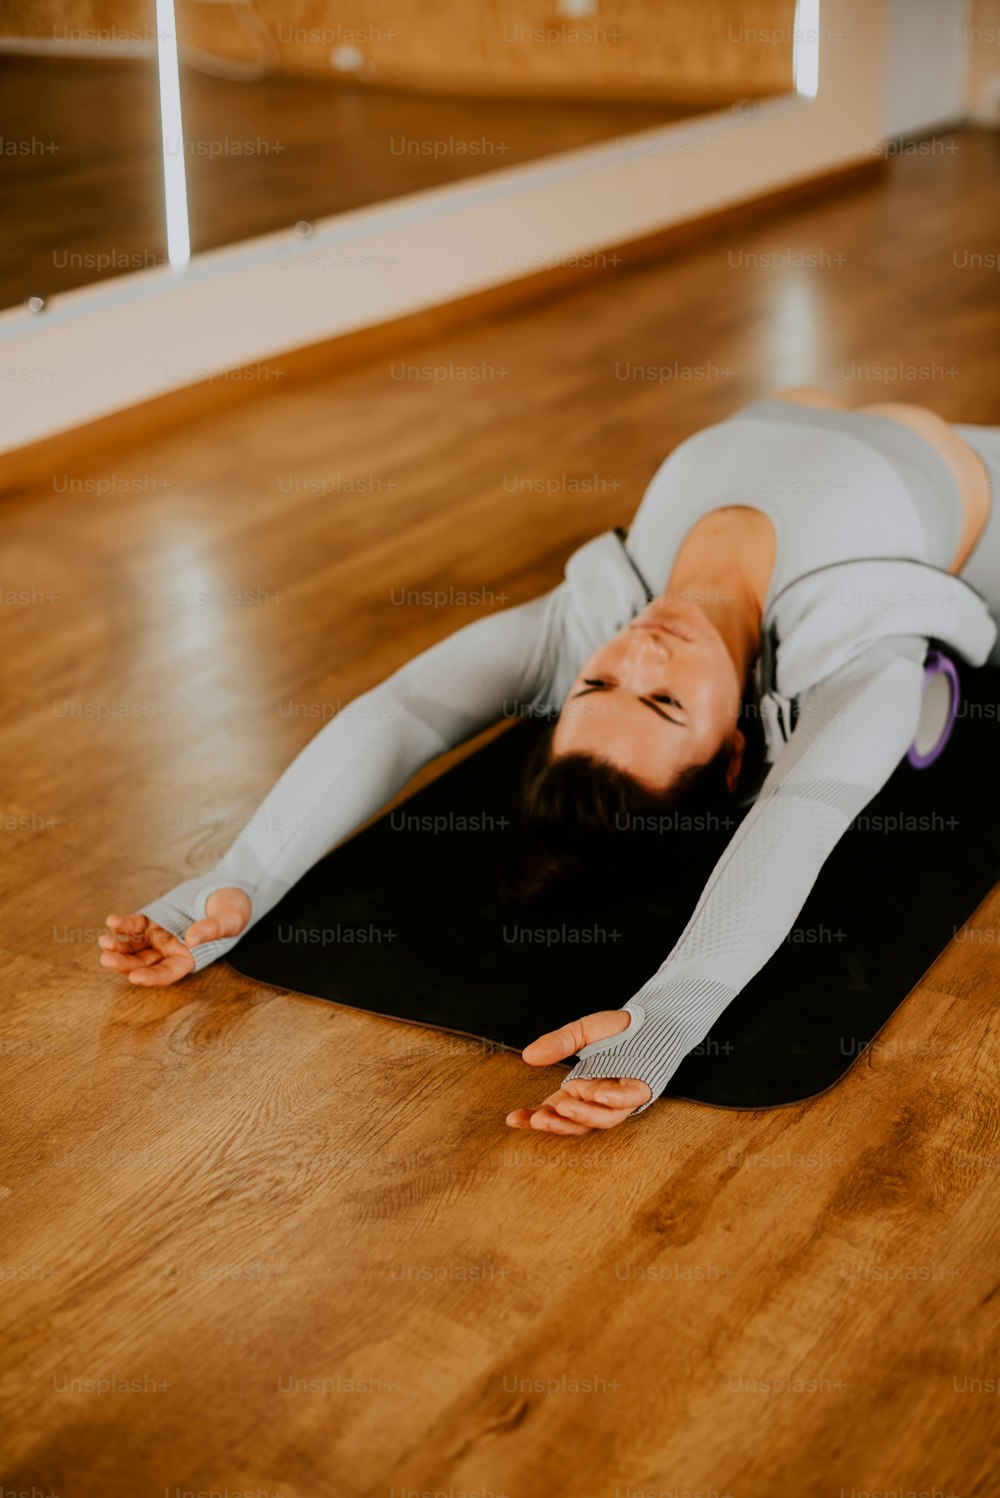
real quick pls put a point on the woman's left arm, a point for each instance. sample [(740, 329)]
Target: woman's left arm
[(365, 755), (852, 730)]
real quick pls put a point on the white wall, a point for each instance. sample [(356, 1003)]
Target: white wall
[(927, 64), (119, 342)]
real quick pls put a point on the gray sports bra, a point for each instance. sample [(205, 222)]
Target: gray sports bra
[(837, 485)]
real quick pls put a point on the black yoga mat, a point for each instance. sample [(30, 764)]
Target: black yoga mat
[(404, 920)]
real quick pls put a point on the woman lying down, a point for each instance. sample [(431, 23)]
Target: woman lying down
[(797, 554)]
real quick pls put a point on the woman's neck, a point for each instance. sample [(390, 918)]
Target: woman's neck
[(713, 576)]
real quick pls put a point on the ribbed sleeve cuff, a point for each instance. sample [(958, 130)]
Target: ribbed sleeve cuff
[(664, 1028), (176, 915)]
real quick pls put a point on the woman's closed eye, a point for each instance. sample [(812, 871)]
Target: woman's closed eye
[(592, 685), (656, 696)]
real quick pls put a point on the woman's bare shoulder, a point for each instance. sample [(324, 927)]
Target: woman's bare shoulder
[(809, 395)]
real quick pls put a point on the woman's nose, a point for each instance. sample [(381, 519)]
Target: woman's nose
[(646, 652), (644, 643)]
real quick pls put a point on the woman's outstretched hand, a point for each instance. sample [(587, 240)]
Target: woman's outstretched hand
[(153, 957), (584, 1103)]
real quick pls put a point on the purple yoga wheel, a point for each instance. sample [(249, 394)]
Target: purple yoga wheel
[(938, 711)]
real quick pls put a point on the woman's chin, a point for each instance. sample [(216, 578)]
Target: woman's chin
[(685, 613)]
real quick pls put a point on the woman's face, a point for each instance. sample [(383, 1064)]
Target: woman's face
[(662, 694)]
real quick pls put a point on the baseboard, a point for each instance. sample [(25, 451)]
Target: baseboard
[(83, 446)]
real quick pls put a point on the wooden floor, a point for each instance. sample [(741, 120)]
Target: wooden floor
[(83, 194), (297, 1243)]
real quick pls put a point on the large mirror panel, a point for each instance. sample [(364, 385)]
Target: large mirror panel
[(295, 110)]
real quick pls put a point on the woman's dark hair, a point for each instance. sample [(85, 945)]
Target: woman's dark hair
[(585, 828)]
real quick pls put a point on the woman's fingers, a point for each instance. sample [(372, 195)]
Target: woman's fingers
[(129, 959), (614, 1092), (583, 1104), (121, 943), (226, 914), (231, 908), (126, 931), (203, 930), (127, 949), (569, 1039), (120, 962), (132, 923), (545, 1119), (594, 1115), (112, 944), (152, 956), (165, 970), (561, 1113), (544, 1116)]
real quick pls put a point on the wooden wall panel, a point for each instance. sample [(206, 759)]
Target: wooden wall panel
[(79, 20), (698, 50), (983, 88), (707, 51)]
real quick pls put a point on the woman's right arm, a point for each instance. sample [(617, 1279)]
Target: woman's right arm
[(363, 757), (853, 730)]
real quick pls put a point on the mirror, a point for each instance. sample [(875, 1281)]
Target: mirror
[(293, 111), (81, 175)]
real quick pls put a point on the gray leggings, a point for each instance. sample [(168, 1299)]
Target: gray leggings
[(982, 568)]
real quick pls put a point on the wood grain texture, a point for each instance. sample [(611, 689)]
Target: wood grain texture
[(305, 1233), (706, 51), (680, 51)]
